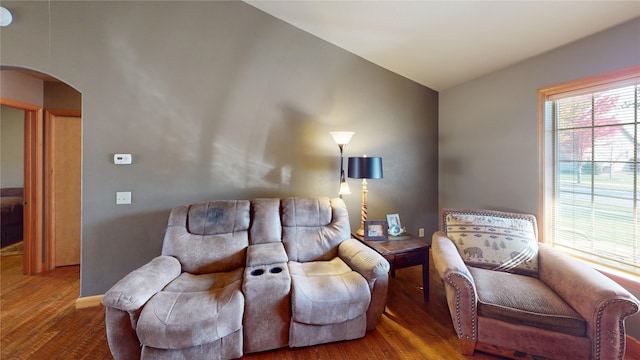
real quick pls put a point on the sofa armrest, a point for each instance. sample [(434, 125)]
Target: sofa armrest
[(602, 302), (460, 289), (363, 259), (137, 287), (375, 269), (266, 254)]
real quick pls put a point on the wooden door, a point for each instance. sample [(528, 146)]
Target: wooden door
[(63, 186), (33, 184)]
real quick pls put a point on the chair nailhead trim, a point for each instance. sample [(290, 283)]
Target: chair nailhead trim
[(506, 215), (621, 339), (469, 289)]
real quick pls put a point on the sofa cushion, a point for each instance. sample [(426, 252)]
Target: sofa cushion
[(313, 228), (208, 237), (494, 240), (327, 292), (187, 282), (265, 222), (524, 300), (218, 217), (306, 212), (193, 310)]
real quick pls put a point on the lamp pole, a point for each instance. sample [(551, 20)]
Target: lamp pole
[(363, 211)]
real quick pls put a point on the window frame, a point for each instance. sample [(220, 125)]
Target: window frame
[(545, 157)]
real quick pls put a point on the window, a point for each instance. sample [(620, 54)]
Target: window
[(591, 149)]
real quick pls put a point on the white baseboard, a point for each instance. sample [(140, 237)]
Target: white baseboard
[(88, 301)]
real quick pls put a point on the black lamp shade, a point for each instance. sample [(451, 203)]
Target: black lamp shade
[(365, 167)]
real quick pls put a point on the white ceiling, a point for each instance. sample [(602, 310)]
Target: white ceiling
[(441, 44)]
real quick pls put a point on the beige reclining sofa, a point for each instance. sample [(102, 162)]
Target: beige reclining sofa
[(239, 276)]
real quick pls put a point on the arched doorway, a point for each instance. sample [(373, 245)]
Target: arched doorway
[(52, 169)]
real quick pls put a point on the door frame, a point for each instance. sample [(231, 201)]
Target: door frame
[(34, 259)]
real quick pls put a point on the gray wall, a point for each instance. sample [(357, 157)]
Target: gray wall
[(27, 89), (11, 147), (218, 100), (488, 127), (16, 85)]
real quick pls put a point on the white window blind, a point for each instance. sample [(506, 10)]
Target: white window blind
[(595, 200)]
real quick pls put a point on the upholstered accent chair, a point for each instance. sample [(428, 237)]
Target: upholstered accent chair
[(509, 294), (238, 276)]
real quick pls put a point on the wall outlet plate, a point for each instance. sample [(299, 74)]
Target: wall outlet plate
[(122, 159)]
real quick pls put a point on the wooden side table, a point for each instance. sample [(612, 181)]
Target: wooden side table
[(404, 251)]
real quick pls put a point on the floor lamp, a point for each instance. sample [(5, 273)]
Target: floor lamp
[(342, 138), (364, 168)]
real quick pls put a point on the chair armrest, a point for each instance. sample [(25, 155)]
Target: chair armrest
[(602, 302), (363, 259), (137, 287), (460, 288), (446, 257)]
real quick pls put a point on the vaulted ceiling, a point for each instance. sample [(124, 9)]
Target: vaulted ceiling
[(441, 44)]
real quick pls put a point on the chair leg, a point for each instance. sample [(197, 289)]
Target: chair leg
[(467, 346)]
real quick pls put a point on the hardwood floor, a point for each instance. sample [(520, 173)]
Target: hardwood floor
[(38, 321)]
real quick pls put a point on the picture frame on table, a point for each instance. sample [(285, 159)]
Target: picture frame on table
[(393, 221), (376, 230)]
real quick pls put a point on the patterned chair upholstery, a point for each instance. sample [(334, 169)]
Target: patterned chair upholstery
[(509, 294)]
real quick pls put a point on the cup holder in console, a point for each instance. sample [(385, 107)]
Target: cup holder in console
[(257, 272), (273, 270)]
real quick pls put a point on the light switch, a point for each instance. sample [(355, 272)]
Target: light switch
[(123, 197)]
